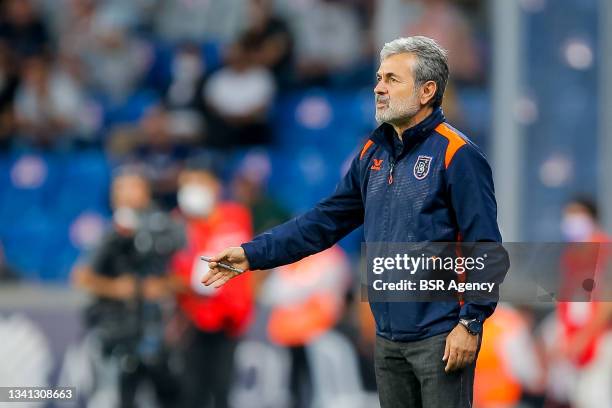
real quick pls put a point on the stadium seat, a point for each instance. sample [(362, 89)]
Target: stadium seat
[(84, 184)]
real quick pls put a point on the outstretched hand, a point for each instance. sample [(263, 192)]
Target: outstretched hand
[(217, 276)]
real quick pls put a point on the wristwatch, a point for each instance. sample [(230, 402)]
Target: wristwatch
[(473, 326)]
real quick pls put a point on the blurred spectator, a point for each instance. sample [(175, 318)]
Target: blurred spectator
[(560, 373), (509, 365), (391, 18), (49, 103), (582, 262), (586, 338), (75, 25), (445, 22), (248, 188), (365, 336), (70, 19), (188, 70), (114, 60), (8, 87), (154, 146), (183, 98), (272, 42), (580, 222), (329, 39), (195, 20), (127, 277), (217, 317), (22, 30), (239, 97), (307, 299)]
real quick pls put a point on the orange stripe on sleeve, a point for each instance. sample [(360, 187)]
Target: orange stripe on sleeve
[(454, 142), (368, 144)]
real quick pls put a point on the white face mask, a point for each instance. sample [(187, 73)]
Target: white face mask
[(577, 227), (126, 218), (195, 200)]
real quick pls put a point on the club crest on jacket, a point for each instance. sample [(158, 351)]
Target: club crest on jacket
[(421, 167)]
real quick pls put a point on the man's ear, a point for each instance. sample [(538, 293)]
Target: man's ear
[(428, 91)]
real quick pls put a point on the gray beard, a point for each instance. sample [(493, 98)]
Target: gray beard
[(398, 113), (395, 116)]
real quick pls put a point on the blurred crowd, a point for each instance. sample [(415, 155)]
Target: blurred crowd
[(154, 83), (167, 90), (161, 75)]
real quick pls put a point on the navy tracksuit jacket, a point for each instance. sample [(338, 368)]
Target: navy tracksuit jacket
[(435, 186)]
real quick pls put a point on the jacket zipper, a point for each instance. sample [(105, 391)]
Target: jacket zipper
[(386, 221), (391, 166)]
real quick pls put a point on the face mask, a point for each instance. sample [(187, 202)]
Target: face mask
[(195, 200), (577, 227), (126, 218)]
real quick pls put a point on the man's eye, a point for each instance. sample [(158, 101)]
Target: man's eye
[(393, 79)]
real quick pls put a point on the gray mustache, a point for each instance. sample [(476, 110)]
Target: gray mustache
[(382, 99)]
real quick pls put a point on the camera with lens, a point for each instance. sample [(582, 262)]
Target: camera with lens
[(134, 327)]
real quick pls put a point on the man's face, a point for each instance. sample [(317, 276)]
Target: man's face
[(198, 193), (577, 223), (131, 191), (397, 100)]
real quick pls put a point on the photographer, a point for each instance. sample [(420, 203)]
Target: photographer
[(127, 277), (216, 319)]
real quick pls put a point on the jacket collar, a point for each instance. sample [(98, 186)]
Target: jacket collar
[(385, 133)]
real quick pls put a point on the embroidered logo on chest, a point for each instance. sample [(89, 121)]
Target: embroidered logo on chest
[(377, 164), (421, 167)]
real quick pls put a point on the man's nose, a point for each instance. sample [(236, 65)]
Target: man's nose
[(380, 88)]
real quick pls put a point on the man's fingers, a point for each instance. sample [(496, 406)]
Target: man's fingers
[(470, 357), (460, 363), (208, 275), (212, 279), (218, 278), (208, 278), (220, 256), (452, 361), (446, 351), (222, 281), (218, 275), (459, 360)]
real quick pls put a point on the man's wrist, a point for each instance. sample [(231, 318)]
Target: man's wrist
[(473, 326), (247, 248)]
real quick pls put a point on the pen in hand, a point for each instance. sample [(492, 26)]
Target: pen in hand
[(221, 264)]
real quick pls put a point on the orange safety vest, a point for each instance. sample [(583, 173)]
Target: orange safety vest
[(494, 384), (297, 323)]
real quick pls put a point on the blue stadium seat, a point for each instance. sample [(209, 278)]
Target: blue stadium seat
[(84, 185), (23, 193), (130, 110), (59, 256), (25, 243), (35, 219)]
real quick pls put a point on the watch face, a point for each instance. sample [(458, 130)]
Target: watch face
[(475, 326)]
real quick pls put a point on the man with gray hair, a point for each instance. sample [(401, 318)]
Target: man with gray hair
[(416, 179)]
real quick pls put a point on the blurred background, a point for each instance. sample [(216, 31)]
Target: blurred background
[(137, 135)]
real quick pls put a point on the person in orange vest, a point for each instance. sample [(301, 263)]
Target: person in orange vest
[(585, 314), (307, 299), (216, 317), (508, 363)]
